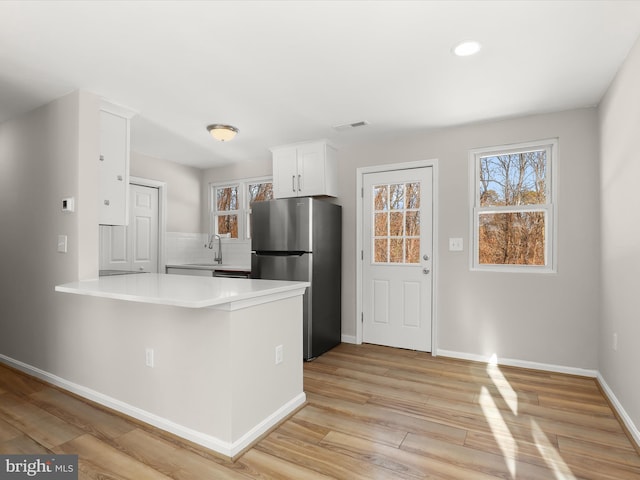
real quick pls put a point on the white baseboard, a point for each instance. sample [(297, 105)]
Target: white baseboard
[(228, 449), (348, 339), (519, 363), (626, 419)]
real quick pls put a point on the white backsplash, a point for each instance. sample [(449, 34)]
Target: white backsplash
[(182, 248)]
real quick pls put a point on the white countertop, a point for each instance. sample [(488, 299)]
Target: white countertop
[(184, 291)]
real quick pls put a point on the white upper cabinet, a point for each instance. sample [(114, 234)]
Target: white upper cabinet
[(305, 170), (113, 166)]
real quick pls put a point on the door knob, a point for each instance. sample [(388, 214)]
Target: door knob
[(425, 257), (425, 271)]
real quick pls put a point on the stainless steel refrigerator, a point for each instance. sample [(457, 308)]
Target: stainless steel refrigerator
[(300, 239)]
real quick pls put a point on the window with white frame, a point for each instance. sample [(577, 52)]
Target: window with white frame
[(231, 205), (513, 203)]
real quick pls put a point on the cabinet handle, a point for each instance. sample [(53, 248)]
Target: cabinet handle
[(107, 203), (119, 177), (293, 183), (102, 158), (299, 183)]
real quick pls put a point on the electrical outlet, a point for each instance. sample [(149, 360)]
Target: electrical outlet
[(615, 342), (149, 357), (279, 354)]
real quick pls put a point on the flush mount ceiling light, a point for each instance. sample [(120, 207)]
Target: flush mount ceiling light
[(466, 48), (222, 133)]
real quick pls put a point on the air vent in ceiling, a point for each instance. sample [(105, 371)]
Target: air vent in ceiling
[(348, 126)]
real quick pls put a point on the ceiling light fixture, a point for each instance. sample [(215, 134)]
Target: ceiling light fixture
[(467, 48), (222, 133)]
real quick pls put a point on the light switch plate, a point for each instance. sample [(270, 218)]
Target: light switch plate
[(455, 244), (62, 243)]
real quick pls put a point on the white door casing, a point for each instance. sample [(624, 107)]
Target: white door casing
[(134, 247), (397, 264)]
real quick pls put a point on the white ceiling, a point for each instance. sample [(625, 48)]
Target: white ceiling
[(289, 71)]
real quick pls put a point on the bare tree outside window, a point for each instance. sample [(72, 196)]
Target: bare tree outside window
[(513, 196), (231, 206), (259, 192), (227, 201), (396, 223)]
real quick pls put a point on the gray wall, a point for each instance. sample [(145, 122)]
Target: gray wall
[(46, 155), (184, 191), (545, 318), (619, 176)]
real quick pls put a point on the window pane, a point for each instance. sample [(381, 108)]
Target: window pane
[(380, 250), (412, 250), (413, 195), (412, 224), (513, 179), (396, 198), (396, 227), (380, 194), (260, 192), (396, 253), (227, 224), (516, 238), (227, 198), (380, 220)]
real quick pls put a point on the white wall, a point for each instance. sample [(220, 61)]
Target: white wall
[(46, 155), (544, 318), (184, 191), (620, 204)]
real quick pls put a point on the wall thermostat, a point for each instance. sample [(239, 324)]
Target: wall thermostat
[(68, 204)]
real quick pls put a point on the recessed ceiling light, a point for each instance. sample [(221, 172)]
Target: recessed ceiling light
[(467, 48)]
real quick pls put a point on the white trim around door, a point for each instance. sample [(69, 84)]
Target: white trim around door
[(360, 172)]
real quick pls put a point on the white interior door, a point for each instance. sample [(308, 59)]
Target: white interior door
[(134, 247), (397, 252)]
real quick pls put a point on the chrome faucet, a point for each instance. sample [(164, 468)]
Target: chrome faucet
[(218, 257)]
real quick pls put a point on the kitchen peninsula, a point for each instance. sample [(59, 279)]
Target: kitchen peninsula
[(215, 360)]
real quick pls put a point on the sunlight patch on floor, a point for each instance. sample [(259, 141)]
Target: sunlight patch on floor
[(504, 387), (550, 455), (500, 430)]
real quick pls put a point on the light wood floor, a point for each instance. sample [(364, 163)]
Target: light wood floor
[(372, 413)]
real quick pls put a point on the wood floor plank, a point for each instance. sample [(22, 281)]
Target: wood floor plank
[(372, 412), (45, 428), (357, 427), (325, 461), (172, 460), (103, 457), (89, 418), (398, 460), (470, 459), (22, 445), (272, 467)]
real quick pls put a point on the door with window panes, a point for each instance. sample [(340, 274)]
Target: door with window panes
[(397, 251)]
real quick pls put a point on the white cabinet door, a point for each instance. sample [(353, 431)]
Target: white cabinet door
[(311, 170), (285, 173), (304, 170), (113, 169)]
